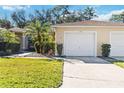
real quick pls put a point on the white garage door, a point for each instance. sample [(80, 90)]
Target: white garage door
[(79, 43), (117, 43)]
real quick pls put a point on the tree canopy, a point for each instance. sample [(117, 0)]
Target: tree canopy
[(56, 15), (8, 37), (4, 23), (117, 17), (19, 18), (89, 13)]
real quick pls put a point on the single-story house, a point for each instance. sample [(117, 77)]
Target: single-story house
[(22, 37), (86, 37)]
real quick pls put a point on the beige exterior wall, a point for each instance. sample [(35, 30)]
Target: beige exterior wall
[(103, 34)]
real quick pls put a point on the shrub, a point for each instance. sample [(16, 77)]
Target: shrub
[(106, 50), (30, 45), (2, 46), (46, 47), (2, 53), (14, 47), (8, 51), (59, 49), (49, 46), (9, 42), (8, 48)]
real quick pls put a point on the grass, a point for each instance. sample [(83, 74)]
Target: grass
[(30, 73), (119, 63)]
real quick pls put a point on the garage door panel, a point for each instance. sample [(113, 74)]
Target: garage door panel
[(117, 53), (117, 44), (79, 44)]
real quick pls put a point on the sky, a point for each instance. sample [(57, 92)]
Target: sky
[(104, 12)]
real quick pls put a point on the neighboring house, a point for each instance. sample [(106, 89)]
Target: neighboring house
[(86, 37), (22, 38)]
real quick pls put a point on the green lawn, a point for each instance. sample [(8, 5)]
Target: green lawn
[(119, 63), (30, 73)]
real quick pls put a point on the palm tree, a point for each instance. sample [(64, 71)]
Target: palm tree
[(36, 31), (89, 13)]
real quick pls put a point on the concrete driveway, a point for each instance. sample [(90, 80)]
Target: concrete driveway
[(91, 72)]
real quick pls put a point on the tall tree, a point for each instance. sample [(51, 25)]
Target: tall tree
[(59, 13), (62, 14), (117, 17), (42, 15), (38, 33), (89, 13), (19, 18), (4, 23)]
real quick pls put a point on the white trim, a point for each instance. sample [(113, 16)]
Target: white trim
[(110, 41), (95, 43), (95, 46), (64, 44), (89, 26), (56, 53), (110, 35)]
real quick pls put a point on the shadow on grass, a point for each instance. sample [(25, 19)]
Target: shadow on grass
[(5, 57)]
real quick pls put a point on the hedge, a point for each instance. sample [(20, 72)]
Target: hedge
[(8, 48)]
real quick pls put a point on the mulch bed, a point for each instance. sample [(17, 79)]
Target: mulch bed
[(34, 55)]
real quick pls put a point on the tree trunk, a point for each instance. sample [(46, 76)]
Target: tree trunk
[(40, 44), (44, 48), (40, 48), (35, 47)]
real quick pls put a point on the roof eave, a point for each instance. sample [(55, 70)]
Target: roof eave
[(87, 26), (17, 31)]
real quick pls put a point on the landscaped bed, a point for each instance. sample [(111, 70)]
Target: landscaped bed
[(30, 73), (119, 63)]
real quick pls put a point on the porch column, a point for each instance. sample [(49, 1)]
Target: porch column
[(26, 42), (23, 42)]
